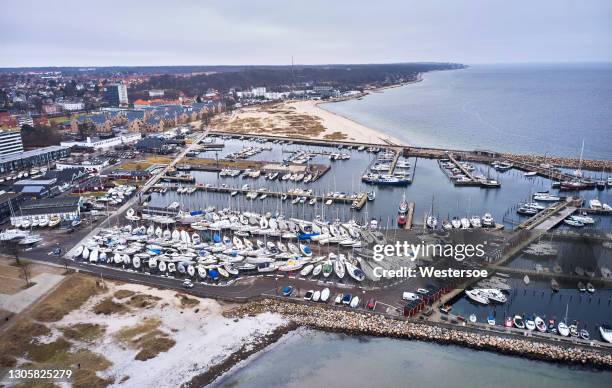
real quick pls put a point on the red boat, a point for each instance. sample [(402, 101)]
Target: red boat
[(573, 185), (401, 220)]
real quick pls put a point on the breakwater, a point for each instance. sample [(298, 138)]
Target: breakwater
[(352, 322), (559, 161)]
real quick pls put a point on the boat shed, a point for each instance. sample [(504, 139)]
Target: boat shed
[(67, 208)]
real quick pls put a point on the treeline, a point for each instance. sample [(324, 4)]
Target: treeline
[(279, 78), (39, 136)]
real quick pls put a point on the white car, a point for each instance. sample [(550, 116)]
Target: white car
[(410, 296)]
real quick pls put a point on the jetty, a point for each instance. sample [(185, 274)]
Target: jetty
[(357, 201), (552, 215)]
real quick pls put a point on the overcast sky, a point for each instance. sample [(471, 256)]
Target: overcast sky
[(200, 32)]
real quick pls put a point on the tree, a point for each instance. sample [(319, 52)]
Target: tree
[(26, 271)]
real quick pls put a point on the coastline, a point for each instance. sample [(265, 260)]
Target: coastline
[(355, 323)]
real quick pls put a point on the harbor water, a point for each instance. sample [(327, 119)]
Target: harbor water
[(316, 359)]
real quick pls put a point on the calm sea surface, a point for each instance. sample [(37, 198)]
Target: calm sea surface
[(317, 359), (520, 108)]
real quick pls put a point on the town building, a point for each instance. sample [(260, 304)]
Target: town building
[(66, 208), (156, 93), (103, 143), (116, 94), (10, 142), (33, 158), (71, 105)]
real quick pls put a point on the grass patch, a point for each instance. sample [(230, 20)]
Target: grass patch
[(127, 334), (335, 136), (14, 342), (70, 295), (56, 350), (122, 294), (187, 302), (151, 344), (146, 338), (108, 306), (89, 360), (143, 301), (87, 332)]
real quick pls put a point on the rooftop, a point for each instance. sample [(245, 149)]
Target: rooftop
[(31, 153)]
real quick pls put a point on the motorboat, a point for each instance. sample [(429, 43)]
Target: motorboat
[(339, 268), (544, 196), (584, 334), (487, 220), (477, 296), (572, 222), (325, 295), (530, 324), (456, 223), (590, 288), (354, 302)]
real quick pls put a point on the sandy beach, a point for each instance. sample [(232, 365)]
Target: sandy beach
[(299, 119)]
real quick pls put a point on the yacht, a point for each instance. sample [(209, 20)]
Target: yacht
[(595, 204), (432, 222), (546, 197), (518, 322), (477, 296), (475, 222), (606, 332), (572, 222), (456, 223)]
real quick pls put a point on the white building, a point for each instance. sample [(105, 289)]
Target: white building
[(10, 143), (156, 93), (71, 105), (97, 143)]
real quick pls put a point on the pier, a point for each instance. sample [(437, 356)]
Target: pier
[(552, 215), (357, 201), (532, 273), (550, 173), (409, 216)]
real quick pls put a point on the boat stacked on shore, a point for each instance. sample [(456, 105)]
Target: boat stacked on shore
[(221, 244)]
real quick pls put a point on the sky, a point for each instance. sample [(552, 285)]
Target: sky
[(229, 32)]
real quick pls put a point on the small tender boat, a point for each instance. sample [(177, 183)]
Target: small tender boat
[(325, 295), (473, 318), (518, 322), (491, 320), (584, 334), (563, 329), (306, 270), (540, 324), (354, 302), (530, 324)]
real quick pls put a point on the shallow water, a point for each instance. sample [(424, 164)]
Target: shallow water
[(317, 359)]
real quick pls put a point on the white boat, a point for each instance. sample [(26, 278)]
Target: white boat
[(339, 268), (354, 272), (306, 270), (563, 329), (316, 296), (477, 296), (606, 333), (317, 270), (526, 279), (487, 220), (540, 324), (595, 204), (325, 295), (530, 324), (530, 173), (546, 197), (354, 302)]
